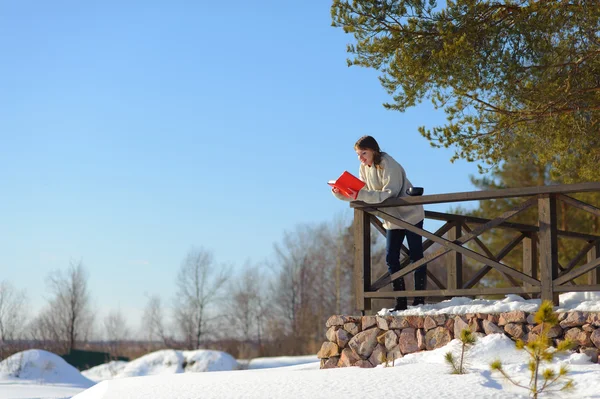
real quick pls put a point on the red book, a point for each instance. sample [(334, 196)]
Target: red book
[(347, 181)]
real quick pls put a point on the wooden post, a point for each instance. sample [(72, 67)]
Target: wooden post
[(455, 276), (593, 254), (362, 259), (530, 257), (548, 246)]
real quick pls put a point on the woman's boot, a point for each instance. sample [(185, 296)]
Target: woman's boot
[(420, 283), (401, 301)]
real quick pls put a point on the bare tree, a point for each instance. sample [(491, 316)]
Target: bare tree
[(153, 322), (68, 316), (199, 285), (313, 280), (246, 307), (295, 294), (13, 315), (116, 330)]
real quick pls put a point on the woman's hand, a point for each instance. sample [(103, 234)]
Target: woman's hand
[(353, 194)]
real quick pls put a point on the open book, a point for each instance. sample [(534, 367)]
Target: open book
[(347, 181)]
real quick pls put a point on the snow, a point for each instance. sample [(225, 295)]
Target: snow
[(419, 375), (572, 301), (39, 374), (164, 362), (42, 367), (280, 361), (175, 374), (105, 371)]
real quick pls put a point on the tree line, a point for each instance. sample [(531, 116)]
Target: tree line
[(275, 307)]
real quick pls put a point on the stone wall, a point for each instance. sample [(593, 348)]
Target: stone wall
[(366, 341)]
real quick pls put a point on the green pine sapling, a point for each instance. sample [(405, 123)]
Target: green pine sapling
[(540, 350), (458, 367)]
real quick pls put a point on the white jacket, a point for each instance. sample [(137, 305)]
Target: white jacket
[(383, 182)]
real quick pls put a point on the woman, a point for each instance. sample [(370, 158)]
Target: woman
[(385, 178)]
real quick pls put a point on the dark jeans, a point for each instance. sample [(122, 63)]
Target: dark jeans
[(394, 239)]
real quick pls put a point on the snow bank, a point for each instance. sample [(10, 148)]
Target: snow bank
[(41, 367)]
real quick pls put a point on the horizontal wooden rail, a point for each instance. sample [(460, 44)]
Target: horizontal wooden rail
[(456, 292), (483, 195)]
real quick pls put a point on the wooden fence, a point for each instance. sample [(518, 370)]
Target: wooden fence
[(541, 275)]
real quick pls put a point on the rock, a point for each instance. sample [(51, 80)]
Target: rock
[(328, 349), (390, 340), (595, 338), (588, 327), (378, 356), (578, 336), (415, 321), (429, 323), (408, 341), (421, 339), (364, 342), (342, 337), (382, 322), (449, 325), (491, 328), (459, 325), (553, 332), (440, 319), (494, 318), (515, 330), (330, 363), (352, 328), (368, 322), (364, 364), (474, 325), (393, 355), (531, 337), (398, 323), (594, 319), (574, 319), (335, 320), (591, 352), (531, 319), (339, 320), (330, 334), (562, 316), (437, 338), (516, 316), (348, 358)]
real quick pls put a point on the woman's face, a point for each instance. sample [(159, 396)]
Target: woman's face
[(365, 156)]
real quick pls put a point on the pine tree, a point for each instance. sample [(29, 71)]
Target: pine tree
[(540, 350), (515, 173), (458, 366), (509, 74)]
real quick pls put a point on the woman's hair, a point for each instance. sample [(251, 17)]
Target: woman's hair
[(369, 143)]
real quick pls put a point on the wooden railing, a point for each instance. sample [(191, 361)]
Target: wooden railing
[(541, 274)]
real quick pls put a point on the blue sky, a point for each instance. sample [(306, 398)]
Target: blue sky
[(134, 131)]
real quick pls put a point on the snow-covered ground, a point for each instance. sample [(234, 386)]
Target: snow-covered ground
[(274, 362), (162, 374), (39, 374), (164, 362), (420, 375)]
